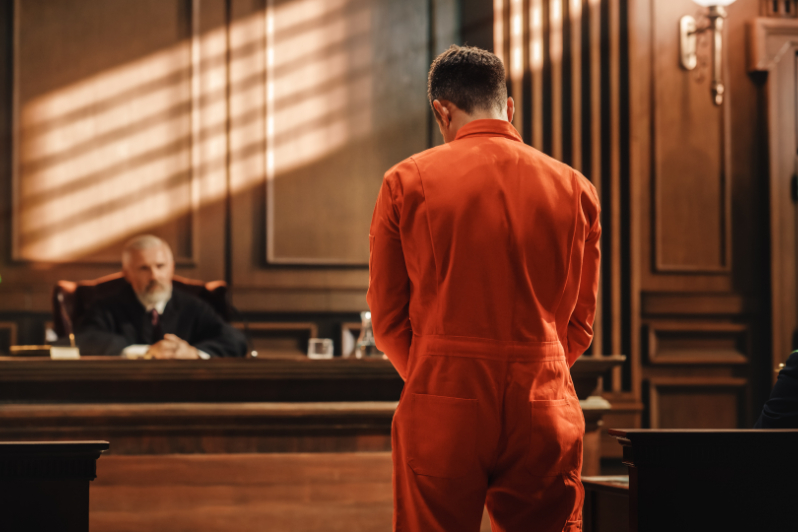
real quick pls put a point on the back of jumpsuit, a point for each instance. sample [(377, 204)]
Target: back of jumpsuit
[(483, 275)]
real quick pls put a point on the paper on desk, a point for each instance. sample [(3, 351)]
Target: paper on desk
[(135, 351), (64, 353)]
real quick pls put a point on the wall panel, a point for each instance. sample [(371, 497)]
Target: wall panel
[(691, 193), (697, 215), (698, 403), (341, 98), (697, 343), (109, 129), (103, 130)]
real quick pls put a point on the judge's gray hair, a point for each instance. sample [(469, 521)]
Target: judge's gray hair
[(140, 242)]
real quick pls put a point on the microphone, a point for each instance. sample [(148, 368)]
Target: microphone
[(67, 321)]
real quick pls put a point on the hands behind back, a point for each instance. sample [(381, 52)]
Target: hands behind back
[(173, 347)]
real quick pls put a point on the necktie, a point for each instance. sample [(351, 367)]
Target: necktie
[(157, 332)]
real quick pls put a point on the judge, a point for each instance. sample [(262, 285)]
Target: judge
[(147, 316)]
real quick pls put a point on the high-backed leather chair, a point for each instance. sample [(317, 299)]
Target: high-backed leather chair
[(71, 299)]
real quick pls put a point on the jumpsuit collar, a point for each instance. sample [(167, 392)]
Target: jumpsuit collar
[(488, 128)]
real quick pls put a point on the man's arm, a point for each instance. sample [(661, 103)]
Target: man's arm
[(389, 285), (781, 410), (95, 334), (580, 326), (217, 338)]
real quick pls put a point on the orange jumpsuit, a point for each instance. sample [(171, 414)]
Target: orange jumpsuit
[(483, 276)]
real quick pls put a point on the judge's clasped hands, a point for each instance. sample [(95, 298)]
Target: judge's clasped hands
[(172, 347)]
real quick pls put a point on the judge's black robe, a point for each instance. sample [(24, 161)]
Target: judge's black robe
[(118, 321), (781, 410)]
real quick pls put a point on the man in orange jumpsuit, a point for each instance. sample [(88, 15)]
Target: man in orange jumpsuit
[(484, 271)]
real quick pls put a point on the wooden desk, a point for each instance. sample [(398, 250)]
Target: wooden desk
[(699, 480), (45, 485)]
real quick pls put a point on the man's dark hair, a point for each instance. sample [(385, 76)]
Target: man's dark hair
[(469, 77)]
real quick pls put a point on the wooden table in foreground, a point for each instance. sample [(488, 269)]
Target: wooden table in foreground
[(606, 506), (699, 480), (45, 485)]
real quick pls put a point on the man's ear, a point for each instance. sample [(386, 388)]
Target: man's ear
[(442, 114), (510, 109)]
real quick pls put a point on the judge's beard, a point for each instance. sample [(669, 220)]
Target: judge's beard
[(154, 294)]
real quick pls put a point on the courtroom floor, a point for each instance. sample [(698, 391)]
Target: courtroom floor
[(291, 492)]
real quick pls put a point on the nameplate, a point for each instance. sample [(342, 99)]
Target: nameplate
[(64, 353)]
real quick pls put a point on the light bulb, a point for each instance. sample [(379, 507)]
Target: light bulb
[(710, 3)]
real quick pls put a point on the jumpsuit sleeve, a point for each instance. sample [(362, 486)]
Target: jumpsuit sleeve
[(389, 285), (580, 325)]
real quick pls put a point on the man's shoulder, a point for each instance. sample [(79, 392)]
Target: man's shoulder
[(187, 299), (189, 303), (124, 298)]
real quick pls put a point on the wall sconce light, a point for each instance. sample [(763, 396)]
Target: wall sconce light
[(689, 30)]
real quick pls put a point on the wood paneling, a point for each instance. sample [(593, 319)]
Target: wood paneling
[(342, 106), (323, 492), (698, 403), (698, 343), (103, 128), (697, 268), (214, 493), (112, 136)]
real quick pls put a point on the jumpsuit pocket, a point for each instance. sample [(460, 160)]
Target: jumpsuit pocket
[(441, 433), (556, 430)]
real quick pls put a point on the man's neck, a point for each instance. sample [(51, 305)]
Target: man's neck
[(461, 119)]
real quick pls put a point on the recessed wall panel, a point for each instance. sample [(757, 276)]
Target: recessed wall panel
[(345, 101), (103, 127)]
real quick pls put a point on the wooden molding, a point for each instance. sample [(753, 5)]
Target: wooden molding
[(692, 343), (772, 47), (11, 328), (769, 40), (689, 304)]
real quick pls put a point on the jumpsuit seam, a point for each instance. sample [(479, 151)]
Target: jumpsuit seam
[(502, 441), (438, 325), (577, 210)]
